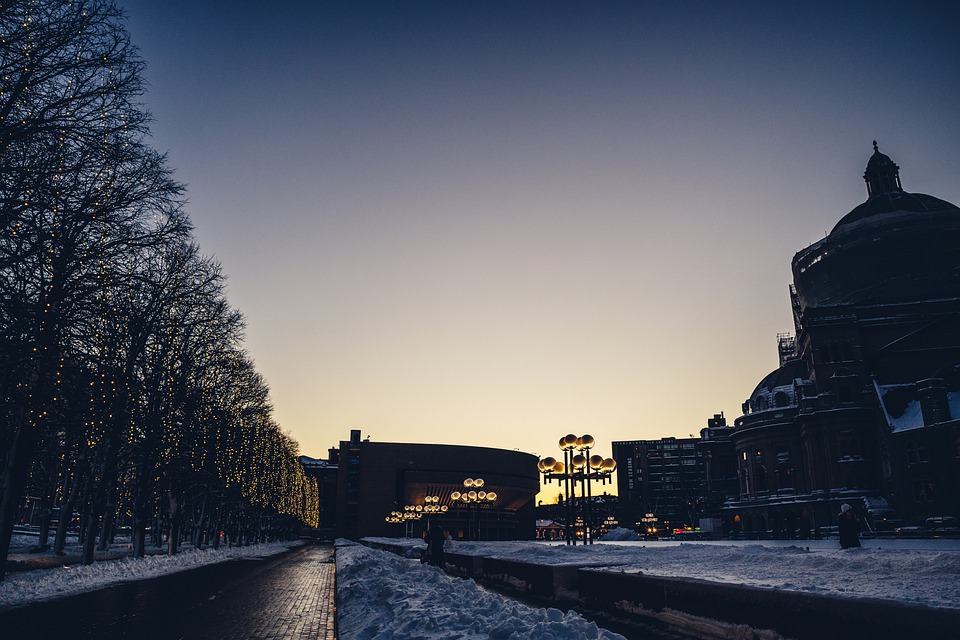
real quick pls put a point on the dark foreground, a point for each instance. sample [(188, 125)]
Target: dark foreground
[(287, 596)]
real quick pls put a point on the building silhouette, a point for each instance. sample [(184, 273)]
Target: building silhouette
[(663, 477), (365, 481), (865, 406)]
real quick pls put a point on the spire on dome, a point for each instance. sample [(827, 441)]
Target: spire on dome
[(882, 174)]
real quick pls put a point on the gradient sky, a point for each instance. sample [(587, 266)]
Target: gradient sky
[(497, 223)]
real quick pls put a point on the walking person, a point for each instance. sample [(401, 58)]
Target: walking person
[(848, 525), (435, 540)]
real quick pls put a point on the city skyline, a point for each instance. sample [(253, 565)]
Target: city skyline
[(495, 224)]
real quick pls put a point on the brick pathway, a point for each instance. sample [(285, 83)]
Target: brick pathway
[(295, 600), (289, 597)]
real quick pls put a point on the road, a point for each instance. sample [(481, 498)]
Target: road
[(280, 597)]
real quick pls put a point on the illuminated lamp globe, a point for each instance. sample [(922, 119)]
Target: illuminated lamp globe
[(559, 467), (491, 496), (444, 508), (468, 482), (455, 495), (585, 442), (609, 465), (478, 483), (596, 462), (472, 495), (547, 464), (579, 461), (568, 442), (482, 495)]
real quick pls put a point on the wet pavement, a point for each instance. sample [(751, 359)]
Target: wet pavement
[(275, 598)]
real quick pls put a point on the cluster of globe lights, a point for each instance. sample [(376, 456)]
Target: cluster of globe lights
[(415, 511), (474, 492), (432, 505), (579, 462)]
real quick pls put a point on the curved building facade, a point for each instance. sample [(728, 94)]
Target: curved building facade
[(375, 479), (865, 407)]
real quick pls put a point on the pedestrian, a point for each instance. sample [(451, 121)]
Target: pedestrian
[(848, 526), (435, 540)]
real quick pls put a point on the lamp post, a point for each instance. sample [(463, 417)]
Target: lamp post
[(608, 524), (406, 517), (472, 496), (431, 507), (650, 525), (577, 467)]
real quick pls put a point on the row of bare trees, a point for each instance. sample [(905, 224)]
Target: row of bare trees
[(126, 397)]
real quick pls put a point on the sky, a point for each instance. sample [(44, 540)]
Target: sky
[(496, 223)]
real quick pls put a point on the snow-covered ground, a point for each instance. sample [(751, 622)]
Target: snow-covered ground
[(917, 571), (25, 587), (384, 596)]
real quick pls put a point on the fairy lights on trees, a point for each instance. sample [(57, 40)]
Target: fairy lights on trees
[(122, 363)]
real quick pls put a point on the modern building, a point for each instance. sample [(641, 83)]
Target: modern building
[(663, 477), (719, 472), (865, 406), (377, 479)]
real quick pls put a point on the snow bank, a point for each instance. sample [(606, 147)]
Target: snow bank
[(25, 587), (926, 572), (383, 596)]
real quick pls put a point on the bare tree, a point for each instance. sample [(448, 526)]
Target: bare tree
[(78, 190)]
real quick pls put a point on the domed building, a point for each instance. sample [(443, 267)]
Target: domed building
[(865, 407)]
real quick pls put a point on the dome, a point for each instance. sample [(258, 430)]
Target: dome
[(782, 377), (893, 202), (896, 247), (777, 390), (878, 160)]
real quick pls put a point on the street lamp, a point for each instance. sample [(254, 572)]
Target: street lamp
[(577, 467), (432, 506), (650, 524), (474, 496), (608, 524)]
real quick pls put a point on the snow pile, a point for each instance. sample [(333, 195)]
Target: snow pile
[(922, 571), (621, 535), (382, 595), (25, 587)]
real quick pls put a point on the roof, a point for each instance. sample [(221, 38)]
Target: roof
[(783, 376), (894, 201)]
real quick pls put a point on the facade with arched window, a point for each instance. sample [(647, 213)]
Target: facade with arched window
[(865, 407)]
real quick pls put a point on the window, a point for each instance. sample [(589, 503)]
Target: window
[(917, 452), (924, 491), (781, 399)]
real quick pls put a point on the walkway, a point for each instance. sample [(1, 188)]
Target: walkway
[(287, 597)]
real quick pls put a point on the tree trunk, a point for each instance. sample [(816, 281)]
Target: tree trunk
[(66, 514), (90, 524), (198, 528), (175, 517), (106, 526), (46, 515), (13, 481)]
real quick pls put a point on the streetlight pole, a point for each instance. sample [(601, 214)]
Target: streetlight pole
[(577, 468), (473, 497)]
